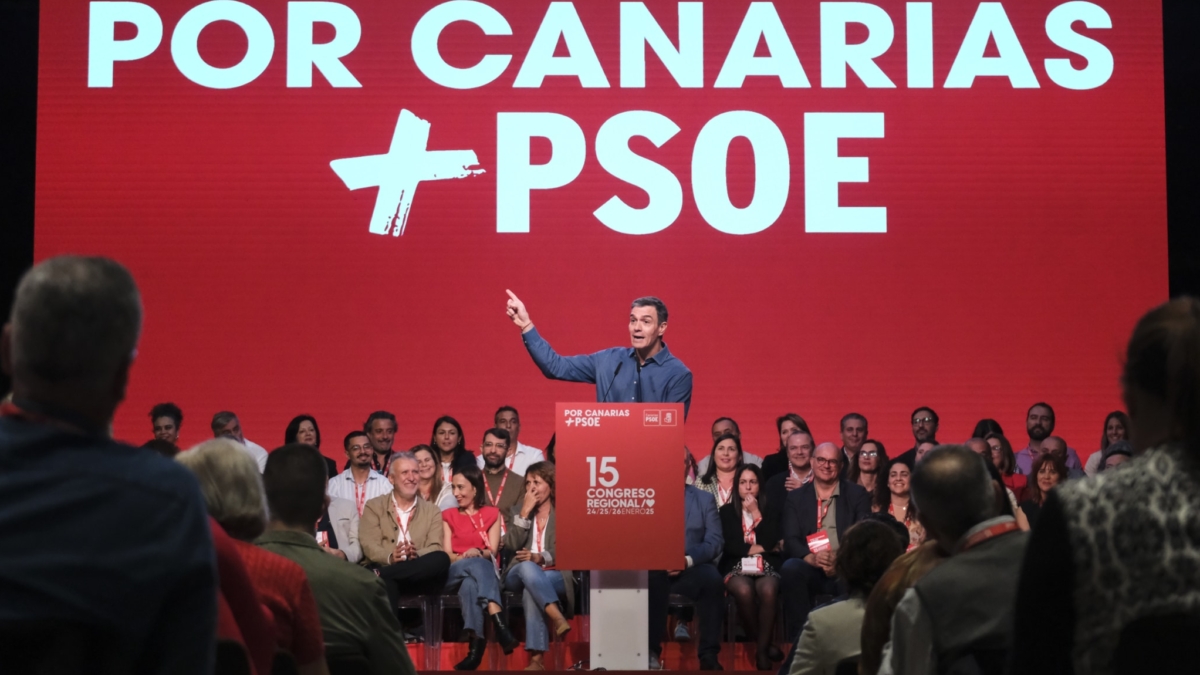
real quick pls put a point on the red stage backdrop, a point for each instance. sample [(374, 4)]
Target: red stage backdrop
[(846, 206)]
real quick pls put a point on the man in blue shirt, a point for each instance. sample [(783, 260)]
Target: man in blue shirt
[(108, 539), (645, 372)]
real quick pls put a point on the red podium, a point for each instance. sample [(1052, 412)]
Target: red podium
[(619, 474)]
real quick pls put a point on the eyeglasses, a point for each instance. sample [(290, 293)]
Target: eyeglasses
[(821, 461), (869, 453), (922, 420)]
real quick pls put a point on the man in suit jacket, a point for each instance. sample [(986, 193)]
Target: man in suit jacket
[(697, 578), (829, 506), (340, 523), (401, 534), (795, 475)]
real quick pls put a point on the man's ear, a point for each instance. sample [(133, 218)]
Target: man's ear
[(662, 328), (6, 350)]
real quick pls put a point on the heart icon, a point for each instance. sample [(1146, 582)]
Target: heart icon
[(649, 503)]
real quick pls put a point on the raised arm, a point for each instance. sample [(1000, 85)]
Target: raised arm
[(580, 368)]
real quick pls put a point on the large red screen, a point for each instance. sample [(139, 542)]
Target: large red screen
[(1002, 228)]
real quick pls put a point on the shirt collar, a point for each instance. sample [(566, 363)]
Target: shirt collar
[(658, 359), (980, 528)]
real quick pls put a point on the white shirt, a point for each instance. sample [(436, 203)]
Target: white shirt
[(520, 460), (748, 457), (342, 486), (257, 452)]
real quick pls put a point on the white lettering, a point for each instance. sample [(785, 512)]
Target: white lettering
[(662, 187), (1099, 66), (919, 27), (824, 170), (837, 56), (561, 20), (303, 55), (430, 62), (991, 22), (103, 47), (639, 29), (771, 172), (260, 44), (761, 22), (516, 177)]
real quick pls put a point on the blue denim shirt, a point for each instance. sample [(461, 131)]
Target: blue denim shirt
[(662, 379)]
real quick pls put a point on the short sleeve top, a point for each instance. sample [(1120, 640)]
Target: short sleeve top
[(470, 531)]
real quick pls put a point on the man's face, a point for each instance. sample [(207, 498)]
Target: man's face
[(405, 478), (644, 328), (360, 451), (165, 429), (508, 421), (493, 451), (854, 432), (232, 429), (924, 427), (826, 462), (799, 450), (1040, 423), (382, 433), (1055, 446), (923, 449), (721, 428)]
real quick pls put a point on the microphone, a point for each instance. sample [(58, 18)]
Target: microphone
[(611, 382)]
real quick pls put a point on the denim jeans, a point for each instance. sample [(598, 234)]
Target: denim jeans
[(475, 579), (541, 587)]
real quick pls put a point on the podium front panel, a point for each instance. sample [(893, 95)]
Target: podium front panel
[(619, 486)]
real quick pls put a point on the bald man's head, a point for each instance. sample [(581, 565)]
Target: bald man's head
[(953, 492), (827, 462)]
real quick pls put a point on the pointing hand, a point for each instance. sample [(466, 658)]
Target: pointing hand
[(516, 311)]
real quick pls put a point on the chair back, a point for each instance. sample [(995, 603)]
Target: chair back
[(347, 664), (1169, 643), (58, 647)]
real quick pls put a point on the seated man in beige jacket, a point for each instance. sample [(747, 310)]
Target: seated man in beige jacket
[(401, 535)]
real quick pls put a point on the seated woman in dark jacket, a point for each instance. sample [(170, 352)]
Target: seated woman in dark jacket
[(748, 566)]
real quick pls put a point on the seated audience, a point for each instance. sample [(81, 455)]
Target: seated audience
[(751, 561), (934, 630), (1115, 455), (304, 429), (718, 479), (923, 449), (1110, 551), (519, 456), (471, 536), (233, 492), (1006, 463), (164, 448), (1048, 471), (833, 632), (546, 592), (95, 532), (904, 573), (814, 517), (226, 425), (985, 427), (854, 434), (381, 428), (726, 425), (241, 614), (1116, 428), (165, 422), (1039, 425), (796, 473), (865, 471), (401, 535), (337, 531), (432, 489), (1056, 446), (450, 444), (777, 462), (352, 603), (924, 430), (896, 502), (360, 482), (503, 486), (697, 579)]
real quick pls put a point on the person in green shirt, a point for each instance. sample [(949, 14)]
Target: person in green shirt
[(356, 618)]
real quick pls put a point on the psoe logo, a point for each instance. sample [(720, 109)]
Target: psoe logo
[(659, 418)]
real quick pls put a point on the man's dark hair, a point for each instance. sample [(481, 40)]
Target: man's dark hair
[(353, 434), (475, 477), (897, 527), (866, 551), (731, 421), (1042, 404), (293, 428), (165, 448), (852, 416), (498, 433), (507, 408), (167, 410), (932, 413), (295, 483), (651, 301), (221, 419), (379, 415), (952, 489)]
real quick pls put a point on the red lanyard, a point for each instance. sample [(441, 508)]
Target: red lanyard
[(510, 461), (360, 498), (723, 495), (539, 534), (821, 514), (479, 529), (748, 530), (496, 499), (990, 533), (403, 523)]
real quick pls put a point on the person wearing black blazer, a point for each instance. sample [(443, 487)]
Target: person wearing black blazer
[(751, 533), (827, 506)]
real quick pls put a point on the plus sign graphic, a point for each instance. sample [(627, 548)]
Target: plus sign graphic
[(397, 173)]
